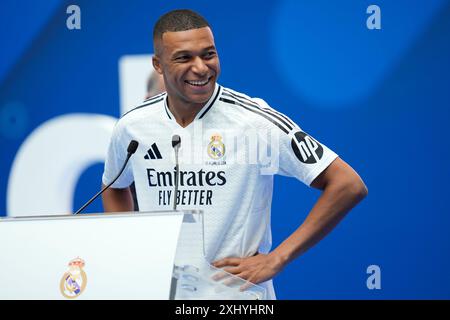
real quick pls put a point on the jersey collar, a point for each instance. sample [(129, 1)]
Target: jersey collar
[(204, 110)]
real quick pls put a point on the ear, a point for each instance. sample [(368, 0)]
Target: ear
[(157, 64)]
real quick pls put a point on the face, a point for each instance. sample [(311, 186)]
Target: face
[(189, 63)]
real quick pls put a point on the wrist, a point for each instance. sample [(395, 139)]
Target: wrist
[(280, 257)]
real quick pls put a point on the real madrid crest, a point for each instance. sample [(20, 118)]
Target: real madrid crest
[(74, 281), (216, 148)]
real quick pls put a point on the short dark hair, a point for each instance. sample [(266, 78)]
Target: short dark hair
[(178, 20)]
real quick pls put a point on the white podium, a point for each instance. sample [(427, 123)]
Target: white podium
[(153, 255)]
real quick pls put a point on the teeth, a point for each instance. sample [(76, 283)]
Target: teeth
[(198, 83)]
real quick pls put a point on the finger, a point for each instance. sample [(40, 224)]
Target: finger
[(248, 284), (226, 272), (233, 270), (220, 276), (235, 281), (227, 262)]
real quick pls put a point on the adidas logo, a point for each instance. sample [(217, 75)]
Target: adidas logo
[(153, 153)]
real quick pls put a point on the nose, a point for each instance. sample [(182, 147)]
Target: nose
[(199, 66)]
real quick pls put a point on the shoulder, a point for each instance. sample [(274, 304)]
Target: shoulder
[(257, 110), (235, 97), (241, 103), (149, 108)]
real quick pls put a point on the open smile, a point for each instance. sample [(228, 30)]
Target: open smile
[(198, 83)]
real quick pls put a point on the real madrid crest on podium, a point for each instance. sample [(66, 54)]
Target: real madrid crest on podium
[(74, 281)]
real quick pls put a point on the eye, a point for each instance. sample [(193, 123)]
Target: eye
[(182, 58), (210, 54)]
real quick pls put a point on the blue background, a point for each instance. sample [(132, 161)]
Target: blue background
[(379, 98)]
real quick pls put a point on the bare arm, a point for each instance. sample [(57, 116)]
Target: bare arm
[(117, 200), (342, 190)]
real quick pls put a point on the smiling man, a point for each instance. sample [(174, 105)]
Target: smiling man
[(219, 130), (189, 63)]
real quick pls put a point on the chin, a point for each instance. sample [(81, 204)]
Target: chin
[(199, 97), (199, 100)]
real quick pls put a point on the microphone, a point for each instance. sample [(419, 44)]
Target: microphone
[(132, 147), (176, 142)]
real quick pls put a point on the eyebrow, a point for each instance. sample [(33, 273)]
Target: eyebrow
[(181, 52)]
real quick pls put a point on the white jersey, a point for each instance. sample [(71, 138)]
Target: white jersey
[(227, 160)]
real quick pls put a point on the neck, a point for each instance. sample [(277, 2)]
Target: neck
[(184, 112)]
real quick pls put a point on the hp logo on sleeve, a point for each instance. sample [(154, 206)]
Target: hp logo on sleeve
[(306, 149)]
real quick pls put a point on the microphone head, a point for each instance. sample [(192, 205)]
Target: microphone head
[(176, 140), (132, 147)]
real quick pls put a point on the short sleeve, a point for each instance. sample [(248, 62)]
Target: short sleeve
[(299, 154), (115, 158)]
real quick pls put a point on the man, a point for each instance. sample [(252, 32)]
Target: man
[(216, 175), (155, 85)]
